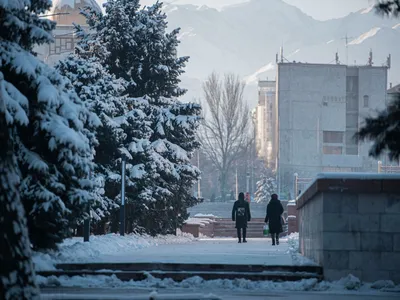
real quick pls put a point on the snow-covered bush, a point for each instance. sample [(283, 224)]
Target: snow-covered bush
[(266, 186)]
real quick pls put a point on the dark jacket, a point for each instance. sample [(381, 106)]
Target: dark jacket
[(274, 212), (241, 213)]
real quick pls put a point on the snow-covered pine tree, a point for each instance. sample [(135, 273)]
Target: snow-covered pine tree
[(160, 67), (384, 128), (126, 126), (53, 147), (140, 50), (175, 140), (101, 93), (266, 186), (17, 278), (151, 67)]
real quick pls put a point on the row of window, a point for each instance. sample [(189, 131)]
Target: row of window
[(339, 143), (340, 150)]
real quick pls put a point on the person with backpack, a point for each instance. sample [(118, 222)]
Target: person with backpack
[(274, 218), (241, 214)]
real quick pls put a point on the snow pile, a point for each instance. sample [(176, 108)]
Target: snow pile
[(199, 221), (383, 284), (349, 284), (76, 250), (190, 283), (204, 216), (297, 258)]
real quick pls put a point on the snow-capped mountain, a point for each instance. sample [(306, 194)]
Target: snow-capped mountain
[(245, 39)]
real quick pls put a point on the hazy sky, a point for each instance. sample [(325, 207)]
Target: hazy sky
[(318, 9)]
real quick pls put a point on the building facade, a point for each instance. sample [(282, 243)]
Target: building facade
[(320, 108), (265, 123), (393, 93), (65, 13)]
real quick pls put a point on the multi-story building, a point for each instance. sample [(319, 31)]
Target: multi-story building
[(393, 92), (65, 13), (320, 108), (265, 123)]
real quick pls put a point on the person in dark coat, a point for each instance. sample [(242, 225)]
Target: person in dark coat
[(274, 218), (241, 214)]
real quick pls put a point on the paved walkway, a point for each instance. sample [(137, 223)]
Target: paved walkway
[(211, 251), (175, 294)]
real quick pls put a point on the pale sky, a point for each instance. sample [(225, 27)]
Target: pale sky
[(318, 9)]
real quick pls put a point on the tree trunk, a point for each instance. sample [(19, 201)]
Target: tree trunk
[(223, 185), (17, 276)]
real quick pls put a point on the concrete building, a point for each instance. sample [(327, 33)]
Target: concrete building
[(265, 123), (320, 108), (393, 92), (65, 13)]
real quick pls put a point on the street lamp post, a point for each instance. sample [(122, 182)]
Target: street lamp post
[(237, 185), (247, 181), (86, 222), (295, 188), (122, 221)]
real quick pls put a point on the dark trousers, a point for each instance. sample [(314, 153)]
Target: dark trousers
[(239, 233), (275, 237)]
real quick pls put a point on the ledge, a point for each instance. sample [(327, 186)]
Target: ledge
[(350, 183)]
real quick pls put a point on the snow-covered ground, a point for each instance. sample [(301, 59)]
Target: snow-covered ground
[(347, 285), (172, 249), (74, 250), (213, 251), (186, 249)]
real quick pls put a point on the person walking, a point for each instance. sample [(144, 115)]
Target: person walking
[(241, 214), (274, 218)]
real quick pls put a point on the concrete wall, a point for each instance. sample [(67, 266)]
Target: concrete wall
[(352, 226)]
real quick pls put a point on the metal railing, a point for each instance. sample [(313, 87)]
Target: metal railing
[(389, 169), (300, 184)]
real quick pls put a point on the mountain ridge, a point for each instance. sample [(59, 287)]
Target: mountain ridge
[(245, 38)]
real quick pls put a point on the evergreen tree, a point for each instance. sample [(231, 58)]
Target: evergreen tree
[(140, 51), (54, 145), (139, 48), (266, 186), (101, 93), (175, 140), (384, 129), (17, 279), (388, 7)]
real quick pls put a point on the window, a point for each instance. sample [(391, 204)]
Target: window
[(352, 84), (366, 100), (351, 138), (337, 169), (352, 120), (333, 137), (351, 102), (333, 150)]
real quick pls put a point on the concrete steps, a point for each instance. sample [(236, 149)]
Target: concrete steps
[(226, 228), (179, 272), (224, 209)]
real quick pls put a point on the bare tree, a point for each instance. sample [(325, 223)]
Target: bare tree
[(225, 133)]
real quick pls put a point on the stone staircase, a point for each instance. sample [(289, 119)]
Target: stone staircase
[(179, 272), (226, 228), (224, 209)]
